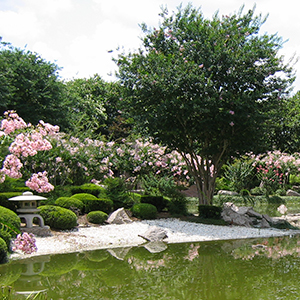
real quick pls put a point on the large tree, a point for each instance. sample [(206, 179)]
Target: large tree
[(30, 85), (205, 87)]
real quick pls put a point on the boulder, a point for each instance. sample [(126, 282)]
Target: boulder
[(154, 234), (119, 216), (292, 193), (228, 193)]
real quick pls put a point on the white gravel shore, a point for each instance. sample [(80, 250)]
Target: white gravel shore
[(113, 236)]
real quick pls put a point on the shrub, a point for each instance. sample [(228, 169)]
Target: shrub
[(88, 188), (12, 205), (3, 251), (144, 211), (10, 218), (5, 235), (210, 211), (275, 200), (58, 217), (97, 217), (104, 205), (257, 191), (158, 201), (116, 191), (84, 197), (177, 204), (69, 202)]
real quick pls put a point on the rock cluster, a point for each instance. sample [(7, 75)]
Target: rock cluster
[(246, 216)]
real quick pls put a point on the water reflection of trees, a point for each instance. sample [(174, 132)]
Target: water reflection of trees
[(211, 270)]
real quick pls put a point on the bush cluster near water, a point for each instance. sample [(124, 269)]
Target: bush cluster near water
[(144, 211), (158, 201), (92, 203), (97, 217), (58, 217)]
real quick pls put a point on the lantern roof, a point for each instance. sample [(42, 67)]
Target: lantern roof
[(27, 196)]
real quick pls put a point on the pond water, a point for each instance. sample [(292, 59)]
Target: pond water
[(237, 269)]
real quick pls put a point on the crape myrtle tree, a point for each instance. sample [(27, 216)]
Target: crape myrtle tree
[(206, 87)]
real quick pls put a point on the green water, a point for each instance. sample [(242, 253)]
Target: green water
[(241, 269)]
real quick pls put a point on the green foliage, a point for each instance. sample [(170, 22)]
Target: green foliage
[(158, 201), (69, 202), (240, 174), (9, 218), (105, 205), (5, 235), (196, 85), (3, 251), (84, 197), (32, 87), (116, 190), (275, 200), (12, 205), (88, 188), (144, 211), (58, 217), (210, 211), (97, 217), (257, 191)]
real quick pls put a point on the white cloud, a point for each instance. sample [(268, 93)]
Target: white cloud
[(78, 34)]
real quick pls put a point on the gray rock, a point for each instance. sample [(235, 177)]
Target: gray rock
[(119, 253), (292, 193), (228, 193), (119, 216), (154, 234)]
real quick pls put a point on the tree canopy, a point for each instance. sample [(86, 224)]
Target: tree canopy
[(30, 85), (206, 87)]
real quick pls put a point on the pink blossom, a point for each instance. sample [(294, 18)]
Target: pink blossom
[(39, 183)]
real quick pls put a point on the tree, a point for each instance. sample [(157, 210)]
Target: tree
[(205, 87), (94, 103), (30, 85)]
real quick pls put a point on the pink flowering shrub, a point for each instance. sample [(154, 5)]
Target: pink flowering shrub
[(274, 167), (25, 242), (23, 142)]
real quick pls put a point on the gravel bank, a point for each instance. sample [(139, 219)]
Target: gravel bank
[(113, 236)]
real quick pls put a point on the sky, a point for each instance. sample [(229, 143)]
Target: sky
[(82, 36)]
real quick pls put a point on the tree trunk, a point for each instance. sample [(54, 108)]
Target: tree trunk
[(205, 173)]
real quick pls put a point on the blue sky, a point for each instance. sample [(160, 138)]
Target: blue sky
[(78, 34)]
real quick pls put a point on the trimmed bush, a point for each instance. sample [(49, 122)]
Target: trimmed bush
[(84, 197), (144, 211), (8, 217), (89, 188), (3, 251), (12, 205), (5, 235), (97, 217), (105, 205), (58, 217), (210, 212), (158, 201), (69, 202)]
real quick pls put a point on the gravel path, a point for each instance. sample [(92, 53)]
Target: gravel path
[(113, 236)]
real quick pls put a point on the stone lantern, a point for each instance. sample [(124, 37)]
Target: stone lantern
[(28, 208)]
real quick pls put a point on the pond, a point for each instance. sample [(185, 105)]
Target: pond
[(235, 269)]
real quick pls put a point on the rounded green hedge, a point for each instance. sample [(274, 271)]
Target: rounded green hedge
[(144, 211), (9, 217), (69, 202), (6, 237), (105, 205), (58, 217), (84, 197), (3, 251), (97, 217)]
